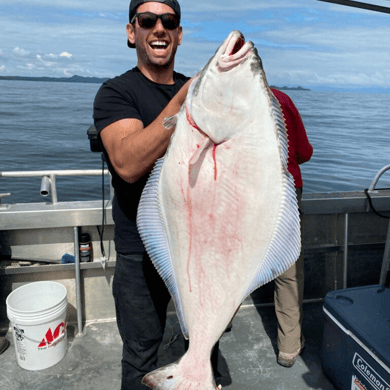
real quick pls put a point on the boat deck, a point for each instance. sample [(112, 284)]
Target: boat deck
[(247, 361)]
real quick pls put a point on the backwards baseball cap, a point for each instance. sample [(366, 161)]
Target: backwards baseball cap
[(134, 4)]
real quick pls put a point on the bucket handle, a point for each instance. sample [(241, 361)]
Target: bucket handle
[(21, 332)]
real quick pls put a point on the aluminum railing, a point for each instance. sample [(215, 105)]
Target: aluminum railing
[(377, 177), (49, 178), (386, 260), (386, 255), (49, 186)]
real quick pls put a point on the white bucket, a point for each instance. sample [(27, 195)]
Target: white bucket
[(37, 312)]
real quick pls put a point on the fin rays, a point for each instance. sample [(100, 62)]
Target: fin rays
[(285, 244), (152, 232)]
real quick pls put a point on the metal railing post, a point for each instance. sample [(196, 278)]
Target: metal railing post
[(345, 254), (386, 259), (53, 185), (78, 281)]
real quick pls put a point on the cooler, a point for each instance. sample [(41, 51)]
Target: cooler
[(356, 342)]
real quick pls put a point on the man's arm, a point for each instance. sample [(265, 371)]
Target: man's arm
[(132, 148)]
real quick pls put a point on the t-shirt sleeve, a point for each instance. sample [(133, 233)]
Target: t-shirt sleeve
[(111, 105)]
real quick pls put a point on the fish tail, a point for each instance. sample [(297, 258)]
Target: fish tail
[(171, 377)]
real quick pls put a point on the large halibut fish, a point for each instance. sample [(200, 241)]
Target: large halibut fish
[(219, 215)]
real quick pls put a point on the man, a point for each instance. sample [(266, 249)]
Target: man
[(129, 111), (289, 286)]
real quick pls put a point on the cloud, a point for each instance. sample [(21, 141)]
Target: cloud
[(85, 5), (21, 52), (333, 56), (205, 6), (24, 62), (299, 41)]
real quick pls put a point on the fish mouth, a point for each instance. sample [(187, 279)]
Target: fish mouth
[(234, 52)]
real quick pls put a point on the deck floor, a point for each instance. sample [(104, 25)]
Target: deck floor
[(248, 358)]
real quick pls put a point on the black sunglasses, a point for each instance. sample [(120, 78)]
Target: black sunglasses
[(148, 20)]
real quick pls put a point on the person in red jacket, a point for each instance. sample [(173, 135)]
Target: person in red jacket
[(289, 286)]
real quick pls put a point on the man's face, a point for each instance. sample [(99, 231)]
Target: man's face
[(155, 46)]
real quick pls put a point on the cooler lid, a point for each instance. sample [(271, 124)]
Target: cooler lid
[(365, 312)]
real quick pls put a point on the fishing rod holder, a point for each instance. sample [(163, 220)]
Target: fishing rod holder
[(48, 185)]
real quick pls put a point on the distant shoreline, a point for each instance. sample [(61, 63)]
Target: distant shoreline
[(319, 88), (97, 80), (290, 88)]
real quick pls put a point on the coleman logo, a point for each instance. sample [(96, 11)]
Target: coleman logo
[(50, 339), (369, 373)]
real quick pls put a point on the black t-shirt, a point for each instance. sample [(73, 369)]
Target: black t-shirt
[(131, 95)]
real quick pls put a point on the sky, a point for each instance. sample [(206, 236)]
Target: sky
[(302, 42)]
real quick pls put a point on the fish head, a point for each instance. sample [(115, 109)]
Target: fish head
[(219, 99)]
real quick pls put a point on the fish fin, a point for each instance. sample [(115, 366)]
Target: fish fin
[(171, 377), (285, 245), (151, 229), (170, 121)]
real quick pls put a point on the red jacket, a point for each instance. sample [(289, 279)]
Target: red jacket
[(299, 147)]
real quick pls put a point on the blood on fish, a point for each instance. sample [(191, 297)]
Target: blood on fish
[(190, 222), (215, 162), (190, 120)]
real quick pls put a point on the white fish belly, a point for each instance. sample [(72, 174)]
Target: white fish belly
[(220, 205)]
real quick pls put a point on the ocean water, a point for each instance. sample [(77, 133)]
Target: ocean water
[(350, 135), (43, 125)]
